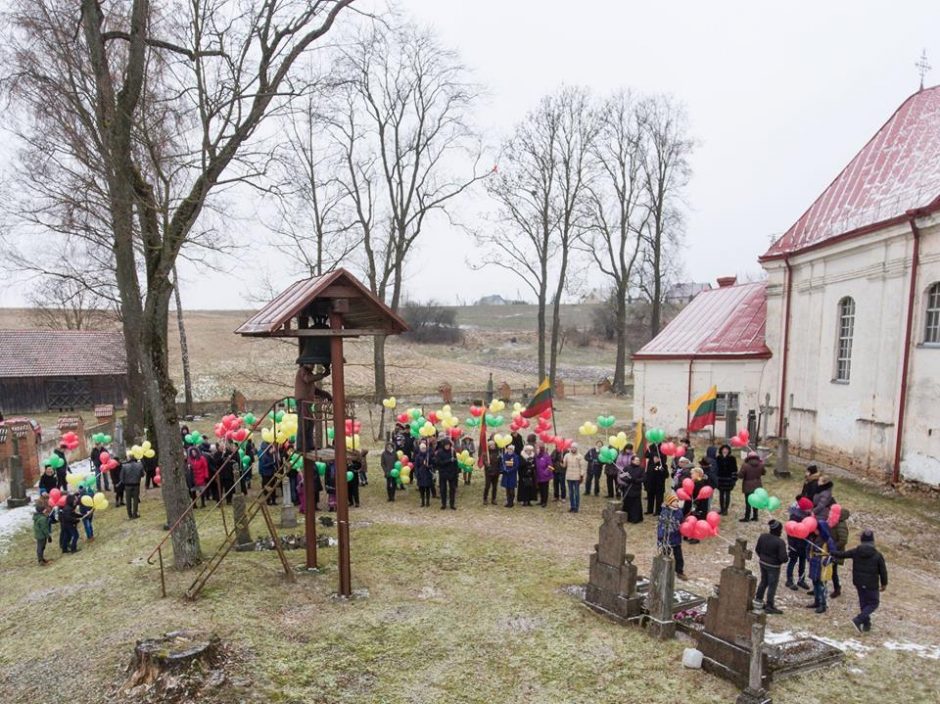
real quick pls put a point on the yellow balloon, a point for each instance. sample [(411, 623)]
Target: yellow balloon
[(101, 505), (88, 501), (404, 478), (267, 435), (146, 445), (502, 440), (150, 453), (399, 454), (100, 501), (446, 410), (496, 405)]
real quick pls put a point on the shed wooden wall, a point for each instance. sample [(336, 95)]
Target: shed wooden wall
[(30, 394)]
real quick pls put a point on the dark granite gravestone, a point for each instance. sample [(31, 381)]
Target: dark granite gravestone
[(726, 640), (243, 542), (611, 587), (17, 496), (661, 596)]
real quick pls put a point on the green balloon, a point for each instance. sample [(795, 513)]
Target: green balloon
[(250, 419), (321, 468), (330, 433), (106, 439), (279, 416), (398, 465), (773, 503), (394, 473), (415, 413), (349, 476), (246, 462)]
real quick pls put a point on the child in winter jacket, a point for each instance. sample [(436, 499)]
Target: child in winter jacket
[(668, 537), (820, 570), (796, 547), (42, 531)]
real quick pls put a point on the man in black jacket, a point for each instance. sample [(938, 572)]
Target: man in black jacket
[(445, 460), (771, 553), (869, 575), (131, 474)]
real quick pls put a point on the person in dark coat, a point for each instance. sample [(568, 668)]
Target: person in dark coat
[(594, 469), (387, 461), (726, 471), (267, 469), (751, 474), (424, 475), (68, 526), (796, 547), (668, 537), (653, 452), (227, 466), (611, 471), (150, 471), (445, 461), (491, 471), (131, 474), (116, 483), (543, 474), (352, 485), (527, 476), (823, 499), (517, 442), (810, 482), (559, 487), (869, 576), (631, 481), (48, 481), (509, 468), (655, 481), (840, 534), (62, 472), (771, 553), (699, 506)]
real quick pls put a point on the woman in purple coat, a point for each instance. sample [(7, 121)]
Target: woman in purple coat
[(544, 472)]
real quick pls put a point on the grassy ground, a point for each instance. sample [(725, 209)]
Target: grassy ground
[(465, 606)]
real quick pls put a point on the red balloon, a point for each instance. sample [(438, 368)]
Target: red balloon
[(54, 496), (790, 528), (61, 502), (432, 416), (679, 451), (522, 422), (801, 530), (241, 434), (157, 480), (737, 442), (745, 435), (404, 459), (476, 411), (686, 530), (455, 433), (402, 418), (689, 486), (835, 513), (546, 437), (668, 449), (714, 519), (683, 495), (703, 530), (704, 493), (104, 457), (811, 524)]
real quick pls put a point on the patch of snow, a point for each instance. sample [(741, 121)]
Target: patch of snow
[(13, 520), (931, 652), (772, 638)]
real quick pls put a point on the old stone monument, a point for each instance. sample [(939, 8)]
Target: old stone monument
[(611, 588), (727, 639), (659, 599), (755, 693), (17, 496), (243, 541)]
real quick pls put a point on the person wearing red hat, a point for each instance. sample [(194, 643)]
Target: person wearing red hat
[(796, 547)]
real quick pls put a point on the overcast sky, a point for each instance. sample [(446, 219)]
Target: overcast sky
[(779, 96)]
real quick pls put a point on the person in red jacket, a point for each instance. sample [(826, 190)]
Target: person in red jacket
[(199, 466)]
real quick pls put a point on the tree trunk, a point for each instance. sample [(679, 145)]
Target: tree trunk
[(378, 359), (541, 335), (656, 311), (620, 325), (162, 402), (184, 346), (556, 332)]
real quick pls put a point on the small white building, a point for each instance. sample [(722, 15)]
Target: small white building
[(852, 316), (718, 339)]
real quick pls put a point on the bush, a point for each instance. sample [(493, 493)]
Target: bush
[(431, 323)]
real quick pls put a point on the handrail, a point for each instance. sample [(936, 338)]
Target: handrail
[(214, 477)]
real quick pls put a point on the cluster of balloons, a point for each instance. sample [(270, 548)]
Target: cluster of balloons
[(698, 529), (670, 449), (618, 441), (107, 461), (101, 439), (145, 449), (284, 427), (502, 440), (741, 439), (606, 421), (587, 429), (801, 529), (655, 435), (96, 500), (390, 403), (686, 492), (70, 440), (193, 438), (465, 461), (77, 481), (476, 416), (607, 455), (231, 427), (54, 461), (760, 499), (402, 468), (518, 422)]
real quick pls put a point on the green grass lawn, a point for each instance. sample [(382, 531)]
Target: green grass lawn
[(465, 606)]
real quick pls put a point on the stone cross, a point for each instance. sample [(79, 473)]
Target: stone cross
[(612, 546), (741, 554), (611, 587)]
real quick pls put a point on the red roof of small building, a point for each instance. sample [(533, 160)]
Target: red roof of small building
[(27, 353), (726, 322), (897, 171)]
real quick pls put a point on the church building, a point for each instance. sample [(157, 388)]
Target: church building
[(852, 326)]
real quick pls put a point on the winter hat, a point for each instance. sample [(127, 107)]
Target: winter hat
[(671, 500), (753, 455), (684, 462), (805, 504), (775, 526), (868, 536)]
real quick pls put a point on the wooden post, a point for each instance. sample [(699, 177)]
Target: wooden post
[(310, 474), (339, 448)]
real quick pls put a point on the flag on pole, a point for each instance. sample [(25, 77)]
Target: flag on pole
[(541, 401), (639, 440), (483, 451), (703, 410)]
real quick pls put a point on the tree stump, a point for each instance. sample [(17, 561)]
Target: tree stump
[(167, 663)]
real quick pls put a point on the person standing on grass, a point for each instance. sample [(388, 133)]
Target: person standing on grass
[(823, 499), (42, 531), (68, 526), (509, 468), (116, 482), (796, 547), (424, 476), (543, 473), (558, 474), (869, 576), (354, 466), (810, 482), (62, 472), (574, 475), (150, 471), (267, 469), (388, 460), (840, 535), (199, 467), (771, 553), (527, 476), (445, 460), (819, 570), (727, 476), (594, 469), (750, 475), (631, 483), (48, 481), (491, 472), (87, 514), (610, 474), (655, 482), (668, 537), (131, 474)]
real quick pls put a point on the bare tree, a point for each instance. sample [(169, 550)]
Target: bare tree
[(165, 99), (666, 173), (618, 208), (541, 197), (403, 129), (67, 304), (184, 346)]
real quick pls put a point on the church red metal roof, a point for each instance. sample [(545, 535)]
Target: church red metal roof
[(722, 323), (897, 171)]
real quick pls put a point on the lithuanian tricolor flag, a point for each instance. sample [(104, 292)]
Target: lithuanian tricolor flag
[(703, 410), (639, 440), (540, 401)]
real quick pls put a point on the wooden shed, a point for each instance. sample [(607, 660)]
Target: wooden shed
[(61, 370)]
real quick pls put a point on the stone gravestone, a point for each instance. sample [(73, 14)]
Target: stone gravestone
[(17, 483), (505, 392), (755, 693), (660, 598), (611, 587), (243, 540), (726, 640)]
